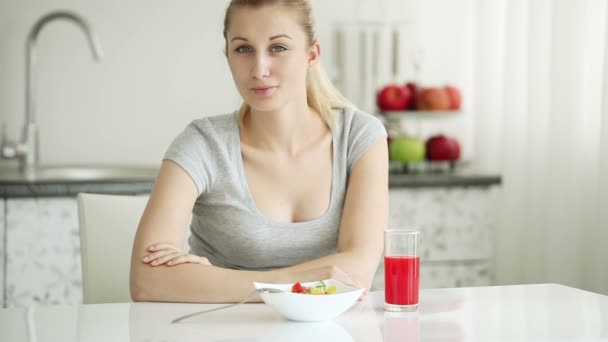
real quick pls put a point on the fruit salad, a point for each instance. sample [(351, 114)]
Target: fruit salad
[(319, 288)]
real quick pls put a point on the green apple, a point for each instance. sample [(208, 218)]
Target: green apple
[(407, 149)]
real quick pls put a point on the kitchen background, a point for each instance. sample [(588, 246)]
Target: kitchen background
[(532, 74)]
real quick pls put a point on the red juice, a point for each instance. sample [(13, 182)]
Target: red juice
[(401, 275)]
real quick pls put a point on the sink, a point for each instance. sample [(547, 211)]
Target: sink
[(79, 174)]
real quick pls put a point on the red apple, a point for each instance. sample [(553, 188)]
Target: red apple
[(432, 99), (454, 96), (394, 97), (442, 148), (413, 87)]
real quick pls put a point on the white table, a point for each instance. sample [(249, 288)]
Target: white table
[(545, 312)]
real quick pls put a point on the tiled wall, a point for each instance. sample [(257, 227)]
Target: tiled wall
[(43, 257), (456, 224)]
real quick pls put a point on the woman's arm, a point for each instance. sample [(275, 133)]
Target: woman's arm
[(364, 218), (164, 221)]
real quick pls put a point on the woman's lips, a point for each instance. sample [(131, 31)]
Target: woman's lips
[(263, 90)]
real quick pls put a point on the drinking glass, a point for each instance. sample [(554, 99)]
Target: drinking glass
[(401, 270)]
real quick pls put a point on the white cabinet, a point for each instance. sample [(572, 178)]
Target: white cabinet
[(43, 258), (42, 252)]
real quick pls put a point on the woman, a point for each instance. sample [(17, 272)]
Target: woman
[(292, 187)]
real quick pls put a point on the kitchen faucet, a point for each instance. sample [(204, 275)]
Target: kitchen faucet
[(27, 151)]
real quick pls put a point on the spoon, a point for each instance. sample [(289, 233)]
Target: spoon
[(255, 292)]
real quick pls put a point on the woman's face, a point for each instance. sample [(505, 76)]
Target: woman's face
[(269, 56)]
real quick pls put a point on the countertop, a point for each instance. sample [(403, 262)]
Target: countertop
[(50, 181), (544, 312), (446, 179), (69, 181)]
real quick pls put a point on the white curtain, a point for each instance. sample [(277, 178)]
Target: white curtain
[(541, 106)]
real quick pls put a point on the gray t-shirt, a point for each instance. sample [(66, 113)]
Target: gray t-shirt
[(227, 228)]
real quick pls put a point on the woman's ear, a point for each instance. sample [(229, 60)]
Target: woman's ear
[(314, 54)]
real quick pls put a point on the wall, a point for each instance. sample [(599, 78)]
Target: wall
[(2, 252), (164, 66)]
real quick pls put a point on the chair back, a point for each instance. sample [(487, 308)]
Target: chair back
[(107, 228)]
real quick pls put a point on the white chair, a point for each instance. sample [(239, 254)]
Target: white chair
[(107, 228)]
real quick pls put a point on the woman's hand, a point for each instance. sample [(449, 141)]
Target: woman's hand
[(168, 254)]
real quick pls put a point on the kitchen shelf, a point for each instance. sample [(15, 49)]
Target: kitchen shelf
[(427, 167), (411, 122), (398, 116)]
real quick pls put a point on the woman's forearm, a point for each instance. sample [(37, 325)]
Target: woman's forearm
[(360, 267), (193, 283), (196, 283)]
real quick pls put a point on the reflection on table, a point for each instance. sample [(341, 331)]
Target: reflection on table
[(502, 313)]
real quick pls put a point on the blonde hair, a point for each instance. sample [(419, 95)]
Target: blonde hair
[(321, 94)]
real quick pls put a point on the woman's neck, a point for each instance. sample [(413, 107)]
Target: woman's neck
[(287, 131)]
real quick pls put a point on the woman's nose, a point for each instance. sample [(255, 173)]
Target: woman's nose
[(261, 67)]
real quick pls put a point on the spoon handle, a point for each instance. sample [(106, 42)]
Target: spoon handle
[(251, 295)]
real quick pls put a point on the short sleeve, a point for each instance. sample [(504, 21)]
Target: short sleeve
[(193, 150), (364, 130)]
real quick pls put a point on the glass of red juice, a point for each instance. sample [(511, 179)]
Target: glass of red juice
[(401, 270)]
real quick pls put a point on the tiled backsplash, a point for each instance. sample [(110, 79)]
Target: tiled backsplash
[(43, 252), (454, 223), (43, 258)]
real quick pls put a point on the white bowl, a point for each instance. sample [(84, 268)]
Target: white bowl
[(307, 307)]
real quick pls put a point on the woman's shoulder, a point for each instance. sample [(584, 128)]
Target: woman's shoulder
[(206, 133), (221, 122), (357, 130), (352, 120), (201, 149), (211, 128)]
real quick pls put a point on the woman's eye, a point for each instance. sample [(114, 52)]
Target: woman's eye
[(278, 48), (243, 49)]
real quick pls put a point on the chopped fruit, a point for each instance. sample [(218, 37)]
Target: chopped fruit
[(318, 289), (331, 289), (298, 288)]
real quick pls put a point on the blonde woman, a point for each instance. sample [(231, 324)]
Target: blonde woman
[(291, 187)]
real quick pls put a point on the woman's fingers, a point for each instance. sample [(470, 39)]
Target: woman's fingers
[(169, 254), (204, 261), (166, 258), (158, 250), (364, 295), (188, 258), (160, 246), (159, 254), (173, 257)]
